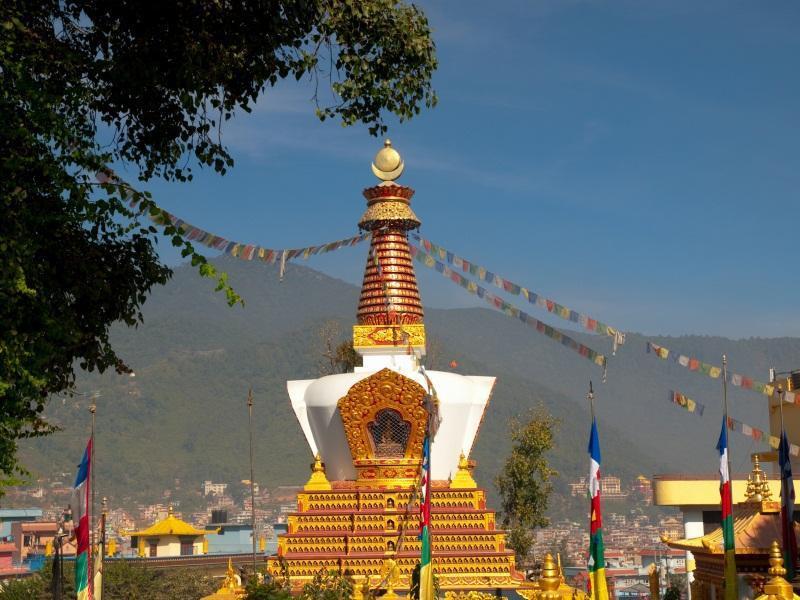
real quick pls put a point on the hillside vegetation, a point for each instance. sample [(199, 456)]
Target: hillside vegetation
[(184, 414)]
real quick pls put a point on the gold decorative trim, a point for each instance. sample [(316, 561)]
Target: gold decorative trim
[(372, 336), (385, 389)]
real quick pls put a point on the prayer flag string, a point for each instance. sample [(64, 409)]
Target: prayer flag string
[(506, 308), (735, 379), (551, 306), (232, 248), (687, 403), (733, 424)]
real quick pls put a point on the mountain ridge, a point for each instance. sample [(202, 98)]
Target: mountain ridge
[(194, 359)]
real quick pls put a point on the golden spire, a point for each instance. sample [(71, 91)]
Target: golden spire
[(389, 307), (318, 480), (550, 579), (777, 587), (463, 478), (231, 578), (757, 484)]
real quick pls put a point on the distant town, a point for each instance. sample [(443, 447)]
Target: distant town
[(28, 531)]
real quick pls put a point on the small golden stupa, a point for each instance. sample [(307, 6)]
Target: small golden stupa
[(777, 588), (231, 588)]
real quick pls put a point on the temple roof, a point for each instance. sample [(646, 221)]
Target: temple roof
[(756, 522), (170, 526)]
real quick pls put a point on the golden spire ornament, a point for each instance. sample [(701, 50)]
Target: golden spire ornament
[(387, 165), (777, 587)]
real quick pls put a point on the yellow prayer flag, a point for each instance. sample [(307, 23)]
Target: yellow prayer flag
[(691, 404), (715, 372), (774, 442)]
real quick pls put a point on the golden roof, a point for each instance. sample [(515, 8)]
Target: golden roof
[(753, 529), (756, 522), (169, 526)]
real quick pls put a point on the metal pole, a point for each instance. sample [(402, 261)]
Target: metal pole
[(725, 407), (590, 398), (252, 482), (58, 564), (103, 549), (92, 535)]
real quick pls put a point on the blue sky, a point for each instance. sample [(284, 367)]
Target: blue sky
[(637, 161)]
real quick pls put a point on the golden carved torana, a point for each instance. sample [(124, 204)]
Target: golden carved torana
[(385, 390)]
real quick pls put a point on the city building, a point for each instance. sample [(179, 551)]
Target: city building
[(610, 488), (169, 537), (8, 516), (644, 486), (10, 569), (230, 538), (33, 540), (214, 489)]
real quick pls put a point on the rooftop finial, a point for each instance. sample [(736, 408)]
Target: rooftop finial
[(777, 586), (387, 165), (757, 484), (550, 579)]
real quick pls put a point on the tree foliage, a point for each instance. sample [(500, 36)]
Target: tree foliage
[(525, 483), (337, 355), (328, 585), (87, 84), (123, 580), (269, 590)]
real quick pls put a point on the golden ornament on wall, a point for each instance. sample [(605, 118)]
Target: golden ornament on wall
[(384, 391)]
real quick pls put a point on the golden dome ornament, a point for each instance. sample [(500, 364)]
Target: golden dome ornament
[(387, 164)]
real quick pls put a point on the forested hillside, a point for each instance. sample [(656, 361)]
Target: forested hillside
[(184, 415)]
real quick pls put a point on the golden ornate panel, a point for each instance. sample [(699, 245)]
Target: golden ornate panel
[(386, 389), (407, 334)]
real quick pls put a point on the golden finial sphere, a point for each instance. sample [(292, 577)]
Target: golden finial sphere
[(387, 164)]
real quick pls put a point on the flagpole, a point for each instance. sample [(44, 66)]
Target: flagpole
[(92, 535), (252, 483), (103, 547), (725, 406), (730, 594), (590, 398)]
